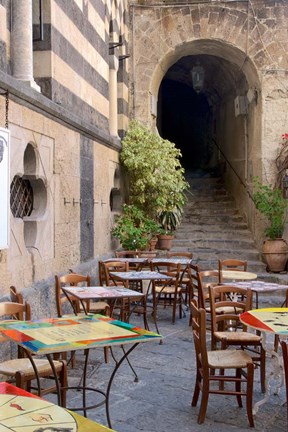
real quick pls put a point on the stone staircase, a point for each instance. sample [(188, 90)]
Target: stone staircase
[(213, 228)]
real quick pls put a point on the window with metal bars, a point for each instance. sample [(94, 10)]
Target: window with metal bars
[(21, 197)]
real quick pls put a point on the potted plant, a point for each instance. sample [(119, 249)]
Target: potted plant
[(133, 229), (156, 177), (271, 203), (169, 220)]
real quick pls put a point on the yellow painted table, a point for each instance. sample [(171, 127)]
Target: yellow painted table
[(23, 412), (57, 335)]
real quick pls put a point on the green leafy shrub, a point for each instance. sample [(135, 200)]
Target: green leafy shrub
[(271, 203), (156, 177), (133, 229)]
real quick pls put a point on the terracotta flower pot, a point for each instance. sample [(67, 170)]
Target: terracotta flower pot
[(275, 253), (165, 242)]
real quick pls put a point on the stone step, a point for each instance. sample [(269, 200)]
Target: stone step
[(216, 233), (213, 228), (216, 243)]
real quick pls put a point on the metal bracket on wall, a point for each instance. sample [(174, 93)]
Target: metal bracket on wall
[(77, 202), (103, 202), (66, 202)]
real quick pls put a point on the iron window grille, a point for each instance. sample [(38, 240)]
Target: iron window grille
[(21, 197)]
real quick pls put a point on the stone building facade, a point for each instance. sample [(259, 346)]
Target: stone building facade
[(65, 68), (77, 71)]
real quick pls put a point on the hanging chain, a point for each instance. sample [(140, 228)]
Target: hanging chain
[(6, 109), (6, 93)]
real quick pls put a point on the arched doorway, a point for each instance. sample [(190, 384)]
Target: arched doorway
[(198, 109)]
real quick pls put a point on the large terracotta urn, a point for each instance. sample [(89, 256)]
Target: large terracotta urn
[(275, 253)]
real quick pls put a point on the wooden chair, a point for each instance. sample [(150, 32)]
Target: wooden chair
[(232, 264), (168, 292), (75, 279), (206, 279), (185, 279), (61, 299), (15, 296), (193, 270), (285, 365), (131, 305), (21, 370), (209, 362), (226, 304)]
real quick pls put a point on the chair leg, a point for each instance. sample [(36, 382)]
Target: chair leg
[(196, 389), (263, 369), (63, 383), (204, 403), (238, 387), (249, 394)]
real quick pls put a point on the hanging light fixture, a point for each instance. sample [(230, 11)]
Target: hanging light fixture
[(197, 73)]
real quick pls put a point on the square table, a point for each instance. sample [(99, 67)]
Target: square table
[(100, 293), (260, 287), (55, 335), (23, 411), (144, 275)]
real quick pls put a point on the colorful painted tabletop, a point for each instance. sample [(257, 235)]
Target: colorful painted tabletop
[(271, 320), (52, 335), (23, 412)]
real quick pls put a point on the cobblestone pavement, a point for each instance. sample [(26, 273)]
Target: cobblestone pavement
[(161, 400)]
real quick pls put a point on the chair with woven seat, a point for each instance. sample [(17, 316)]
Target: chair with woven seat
[(20, 370), (209, 362), (226, 304), (125, 304), (168, 292), (185, 279)]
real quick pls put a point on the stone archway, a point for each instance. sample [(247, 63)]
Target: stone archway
[(218, 128), (208, 125)]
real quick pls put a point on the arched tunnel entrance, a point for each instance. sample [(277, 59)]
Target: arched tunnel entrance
[(198, 112)]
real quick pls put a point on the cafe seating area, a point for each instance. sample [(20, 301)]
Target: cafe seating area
[(143, 289)]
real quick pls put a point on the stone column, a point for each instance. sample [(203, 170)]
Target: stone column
[(21, 41), (113, 114)]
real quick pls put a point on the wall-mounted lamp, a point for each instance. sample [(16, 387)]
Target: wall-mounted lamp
[(197, 73)]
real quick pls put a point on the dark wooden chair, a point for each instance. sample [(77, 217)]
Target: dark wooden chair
[(226, 304), (208, 363), (167, 292)]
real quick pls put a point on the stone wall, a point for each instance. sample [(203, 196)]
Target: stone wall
[(248, 36)]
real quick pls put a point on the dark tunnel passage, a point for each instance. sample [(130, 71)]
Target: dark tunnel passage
[(186, 120)]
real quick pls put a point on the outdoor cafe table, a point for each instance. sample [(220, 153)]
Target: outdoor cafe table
[(272, 321), (259, 287), (99, 293), (238, 275), (145, 275), (22, 411), (56, 335)]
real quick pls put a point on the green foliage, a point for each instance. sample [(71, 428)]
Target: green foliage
[(156, 177), (169, 220), (271, 203), (134, 229)]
